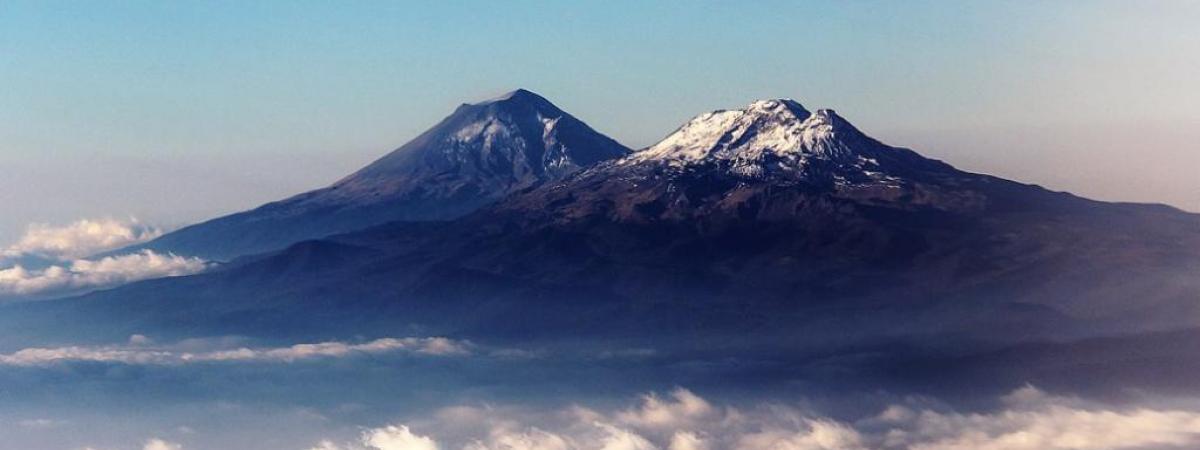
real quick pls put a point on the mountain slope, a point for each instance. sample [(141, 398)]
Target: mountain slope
[(764, 226), (480, 153), (803, 207)]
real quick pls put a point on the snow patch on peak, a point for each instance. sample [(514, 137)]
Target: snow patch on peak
[(770, 138), (818, 128), (784, 106), (548, 124), (694, 140), (779, 127), (486, 130)]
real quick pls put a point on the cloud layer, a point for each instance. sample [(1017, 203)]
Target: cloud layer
[(83, 274), (140, 352), (80, 239), (1036, 421), (1028, 420), (63, 269)]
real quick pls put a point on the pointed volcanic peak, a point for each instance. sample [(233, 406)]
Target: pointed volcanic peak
[(779, 138), (482, 152), (510, 142)]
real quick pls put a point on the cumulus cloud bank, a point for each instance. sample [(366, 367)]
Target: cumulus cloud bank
[(80, 239), (138, 352), (108, 271), (1028, 420), (64, 249), (1034, 420), (393, 437)]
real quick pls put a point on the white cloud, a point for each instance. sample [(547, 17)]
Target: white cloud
[(1029, 419), (80, 239), (159, 444), (818, 434), (396, 437), (140, 352), (83, 274), (687, 440), (52, 259), (616, 438), (684, 409), (532, 438), (428, 346), (139, 340), (1033, 420)]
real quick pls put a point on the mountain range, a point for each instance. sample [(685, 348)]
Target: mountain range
[(767, 226)]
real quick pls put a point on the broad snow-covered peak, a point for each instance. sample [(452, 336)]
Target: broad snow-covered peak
[(779, 130), (778, 139), (777, 106)]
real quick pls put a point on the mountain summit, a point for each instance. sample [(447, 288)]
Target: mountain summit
[(780, 139), (486, 149), (770, 158), (477, 155)]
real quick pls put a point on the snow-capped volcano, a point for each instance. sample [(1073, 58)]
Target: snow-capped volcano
[(777, 139), (765, 126), (512, 141), (480, 153)]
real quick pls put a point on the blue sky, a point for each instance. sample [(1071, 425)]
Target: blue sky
[(177, 111)]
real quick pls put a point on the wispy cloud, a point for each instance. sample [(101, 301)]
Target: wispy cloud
[(138, 352), (1029, 419), (83, 274), (39, 423)]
